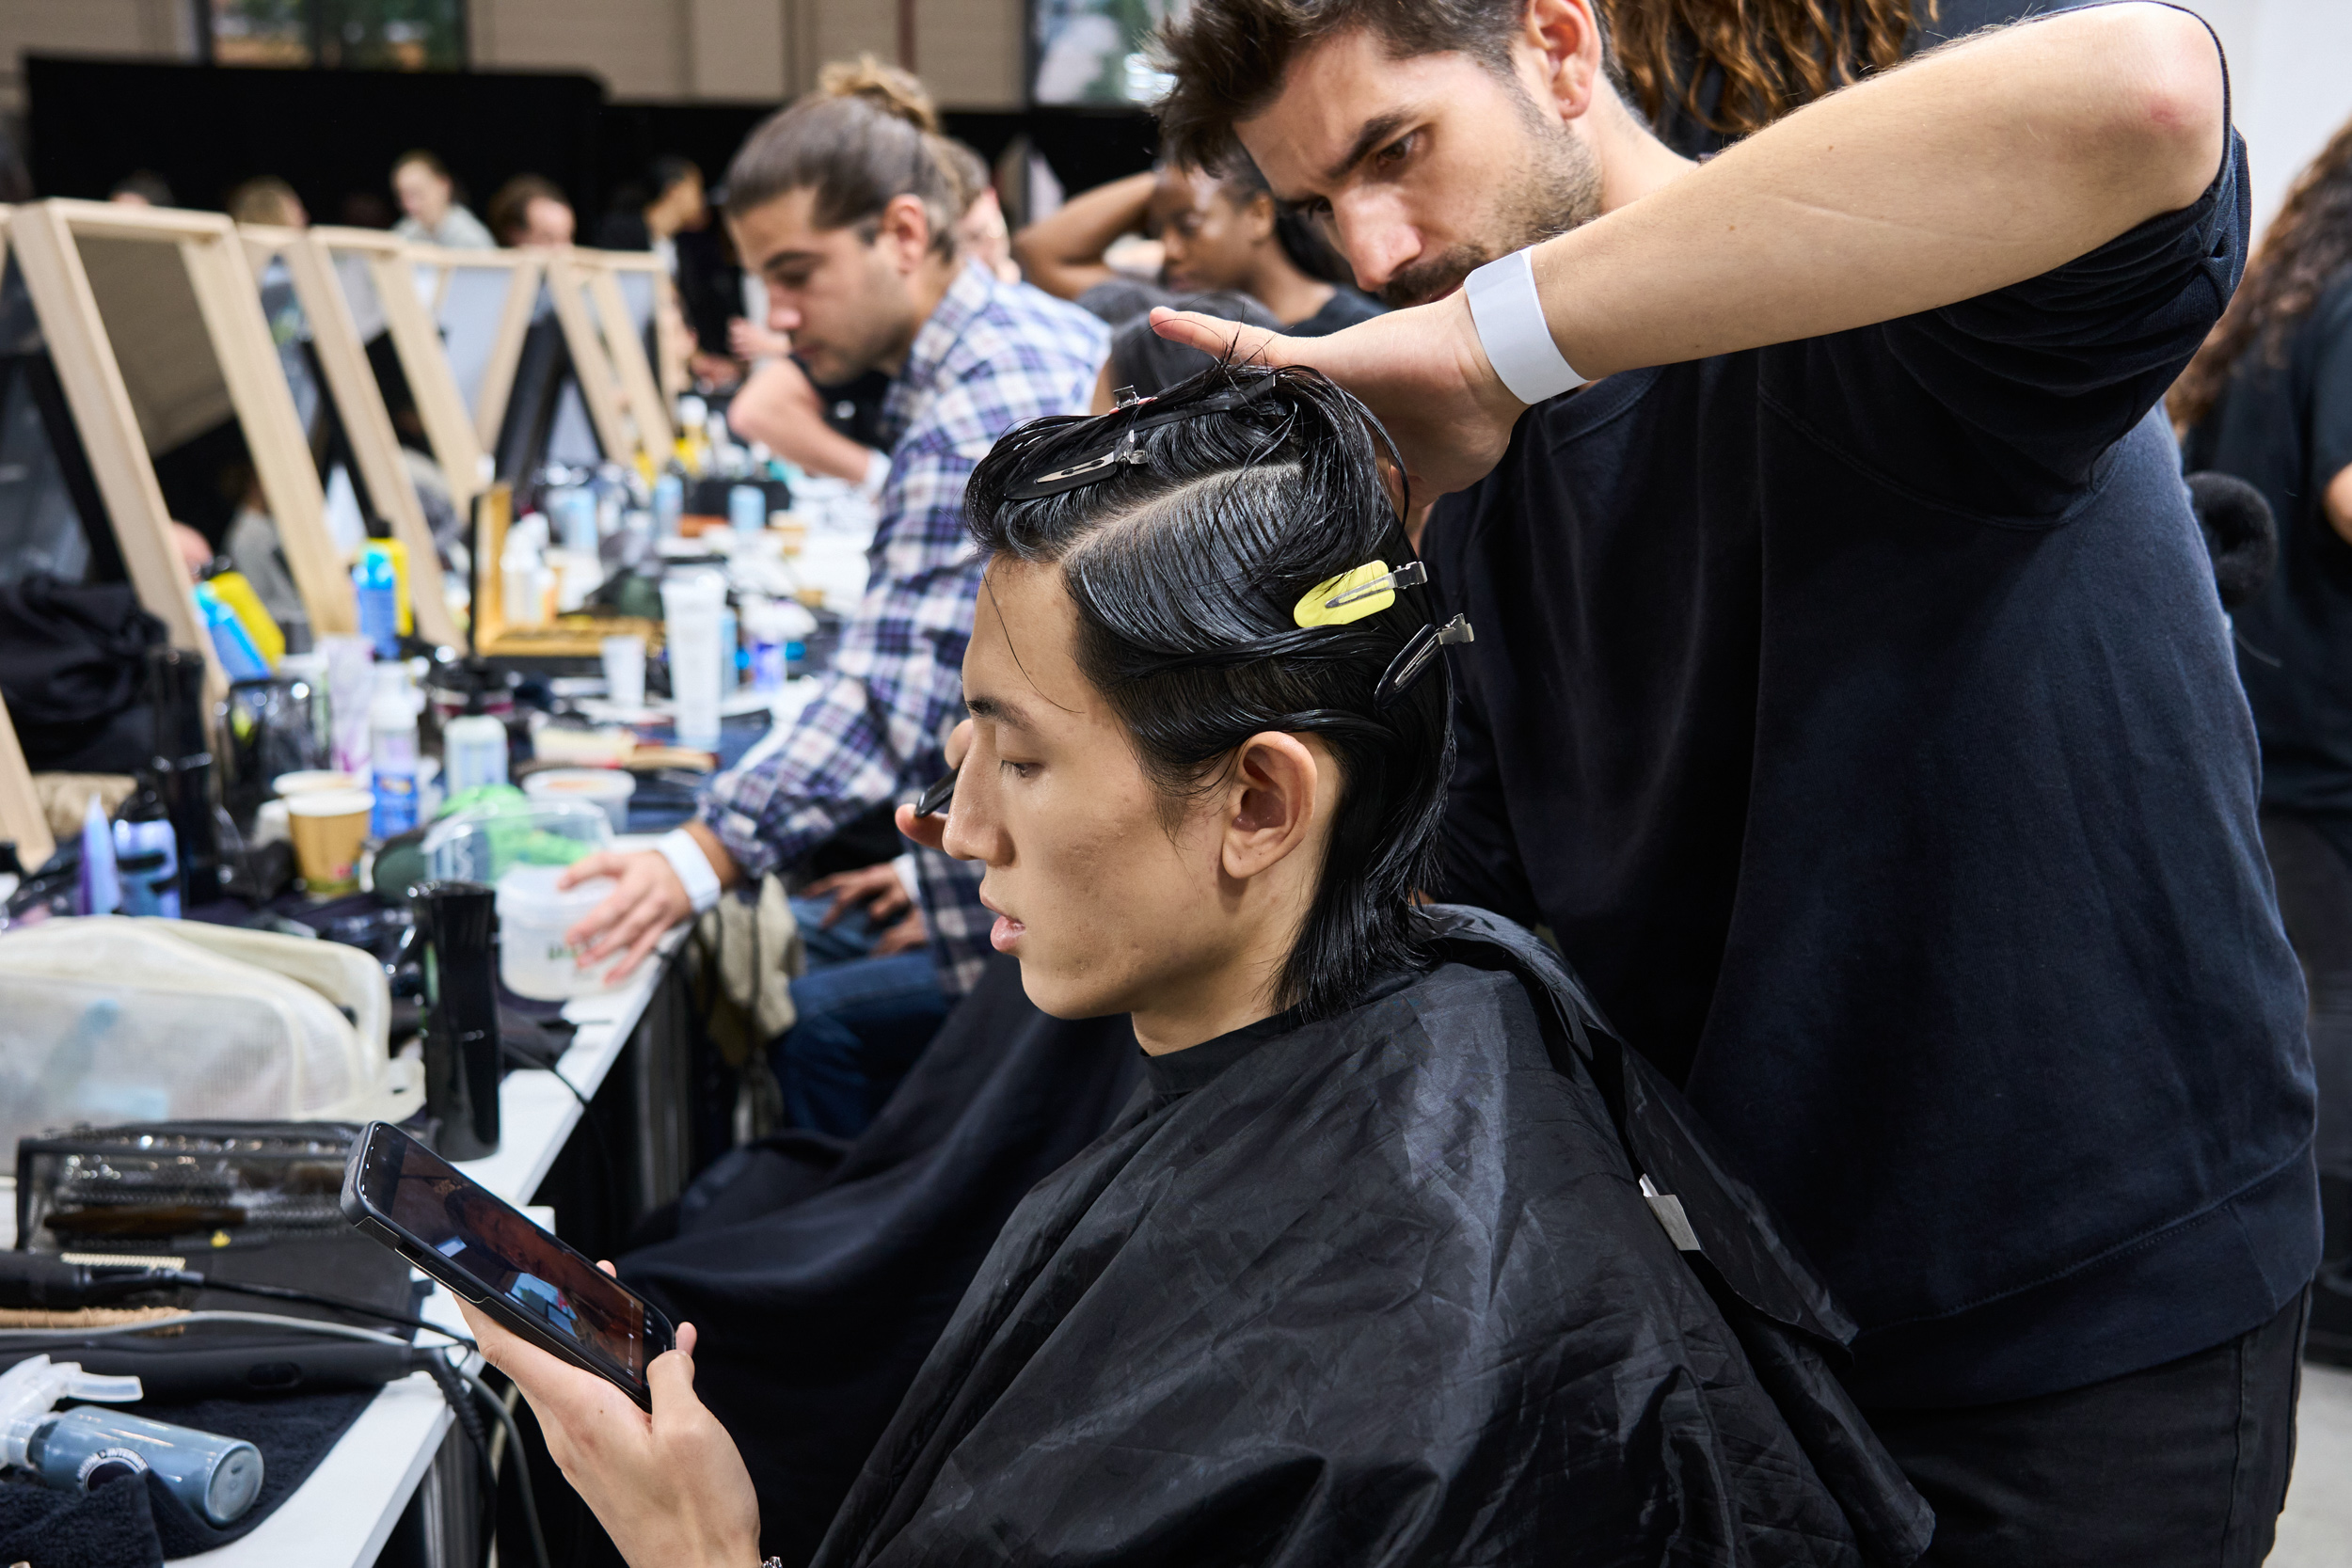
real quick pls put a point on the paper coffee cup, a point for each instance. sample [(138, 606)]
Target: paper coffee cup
[(331, 828)]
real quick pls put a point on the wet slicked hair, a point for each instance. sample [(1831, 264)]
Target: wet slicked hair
[(1186, 569)]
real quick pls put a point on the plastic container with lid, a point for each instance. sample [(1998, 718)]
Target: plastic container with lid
[(534, 961), (608, 789), (479, 842)]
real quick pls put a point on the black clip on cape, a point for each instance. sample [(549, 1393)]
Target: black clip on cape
[(1790, 1326)]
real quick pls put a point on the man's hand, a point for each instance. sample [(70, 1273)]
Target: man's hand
[(1421, 370), (748, 341), (905, 937), (669, 1487), (650, 900), (874, 889)]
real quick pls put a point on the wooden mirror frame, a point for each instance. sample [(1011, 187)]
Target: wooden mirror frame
[(359, 406), (46, 236)]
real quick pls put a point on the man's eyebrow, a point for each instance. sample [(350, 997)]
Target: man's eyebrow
[(1001, 710), (1378, 131), (785, 258)]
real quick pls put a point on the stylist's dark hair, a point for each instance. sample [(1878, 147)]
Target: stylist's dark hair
[(864, 139), (1229, 56), (1185, 570)]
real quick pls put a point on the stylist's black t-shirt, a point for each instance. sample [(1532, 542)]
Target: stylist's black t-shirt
[(1858, 713), (2284, 425)]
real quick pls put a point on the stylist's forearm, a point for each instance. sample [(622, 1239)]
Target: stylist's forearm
[(1966, 171)]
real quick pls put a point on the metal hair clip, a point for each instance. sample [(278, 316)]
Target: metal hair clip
[(1123, 450), (934, 800), (1415, 656)]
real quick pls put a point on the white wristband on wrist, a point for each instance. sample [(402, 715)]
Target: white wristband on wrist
[(1512, 330), (692, 866), (876, 474)]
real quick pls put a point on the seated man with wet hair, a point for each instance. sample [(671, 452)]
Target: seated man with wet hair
[(1387, 1262)]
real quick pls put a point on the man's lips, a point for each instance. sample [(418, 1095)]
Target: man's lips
[(1007, 931)]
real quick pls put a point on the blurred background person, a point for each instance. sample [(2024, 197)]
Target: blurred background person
[(2269, 399), (267, 199), (531, 210), (432, 213), (139, 189)]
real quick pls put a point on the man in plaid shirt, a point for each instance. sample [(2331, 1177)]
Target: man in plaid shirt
[(849, 231)]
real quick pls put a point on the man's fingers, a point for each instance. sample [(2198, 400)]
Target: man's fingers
[(1224, 339), (604, 862), (929, 832), (688, 1337), (959, 742)]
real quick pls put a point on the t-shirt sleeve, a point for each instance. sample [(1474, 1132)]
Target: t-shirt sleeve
[(2331, 392), (2004, 405)]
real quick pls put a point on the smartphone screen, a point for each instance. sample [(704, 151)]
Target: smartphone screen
[(502, 1252)]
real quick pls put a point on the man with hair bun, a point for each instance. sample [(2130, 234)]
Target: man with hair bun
[(844, 205)]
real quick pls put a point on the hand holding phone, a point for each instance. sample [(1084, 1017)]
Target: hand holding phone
[(668, 1485), (490, 1254)]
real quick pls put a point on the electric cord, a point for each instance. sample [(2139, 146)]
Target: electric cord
[(221, 1315), (285, 1292), (460, 1401), (522, 1461)]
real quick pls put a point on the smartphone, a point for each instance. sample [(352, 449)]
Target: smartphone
[(405, 1195)]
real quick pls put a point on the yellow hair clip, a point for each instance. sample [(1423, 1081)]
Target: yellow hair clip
[(1366, 590)]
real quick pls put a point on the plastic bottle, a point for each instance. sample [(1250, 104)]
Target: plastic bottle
[(521, 574), (83, 1448), (147, 854), (473, 753), (669, 503), (392, 744), (691, 605), (378, 587), (231, 640)]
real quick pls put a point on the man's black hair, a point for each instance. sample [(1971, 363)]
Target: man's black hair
[(1186, 567), (1229, 56)]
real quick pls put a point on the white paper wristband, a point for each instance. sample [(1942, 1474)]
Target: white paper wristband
[(692, 866), (1512, 330)]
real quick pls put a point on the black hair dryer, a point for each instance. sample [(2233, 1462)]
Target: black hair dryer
[(456, 927)]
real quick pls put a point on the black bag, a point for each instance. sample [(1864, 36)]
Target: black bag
[(73, 665)]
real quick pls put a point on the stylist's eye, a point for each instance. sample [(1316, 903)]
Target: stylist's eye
[(1397, 150)]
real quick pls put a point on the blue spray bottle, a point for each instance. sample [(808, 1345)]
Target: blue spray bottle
[(83, 1448)]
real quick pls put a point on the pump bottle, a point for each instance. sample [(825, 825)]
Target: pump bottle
[(83, 1448)]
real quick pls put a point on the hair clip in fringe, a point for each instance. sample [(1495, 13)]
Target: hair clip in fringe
[(1123, 450), (1366, 590), (1415, 656)]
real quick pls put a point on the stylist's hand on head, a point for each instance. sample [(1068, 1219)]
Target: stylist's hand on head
[(669, 1487), (1420, 369), (646, 901)]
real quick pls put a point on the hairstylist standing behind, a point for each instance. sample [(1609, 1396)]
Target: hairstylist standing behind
[(2269, 399), (1851, 696), (845, 210)]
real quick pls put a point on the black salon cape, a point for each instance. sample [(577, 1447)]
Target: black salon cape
[(819, 1277), (1383, 1288)]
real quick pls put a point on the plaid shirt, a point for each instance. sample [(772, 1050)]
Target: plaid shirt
[(992, 356)]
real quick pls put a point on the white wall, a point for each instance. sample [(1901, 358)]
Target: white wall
[(2290, 81)]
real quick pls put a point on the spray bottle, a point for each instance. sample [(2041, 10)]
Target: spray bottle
[(81, 1450)]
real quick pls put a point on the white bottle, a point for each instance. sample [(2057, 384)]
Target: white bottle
[(393, 742), (691, 606), (521, 573)]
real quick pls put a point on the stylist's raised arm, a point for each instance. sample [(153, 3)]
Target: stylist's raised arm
[(1976, 167), (668, 1487)]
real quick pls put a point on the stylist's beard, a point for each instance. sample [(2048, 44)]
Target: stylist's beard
[(1556, 189)]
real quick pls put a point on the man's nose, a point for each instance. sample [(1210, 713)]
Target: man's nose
[(1376, 244)]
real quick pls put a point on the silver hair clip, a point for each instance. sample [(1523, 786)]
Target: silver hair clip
[(1124, 449), (1411, 575), (1415, 656)]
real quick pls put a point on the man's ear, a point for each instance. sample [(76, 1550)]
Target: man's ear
[(1259, 214), (905, 228), (1275, 797), (1557, 56)]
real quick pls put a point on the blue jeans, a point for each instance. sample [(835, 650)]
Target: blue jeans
[(861, 1022)]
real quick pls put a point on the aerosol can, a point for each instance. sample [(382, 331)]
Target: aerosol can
[(81, 1450)]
